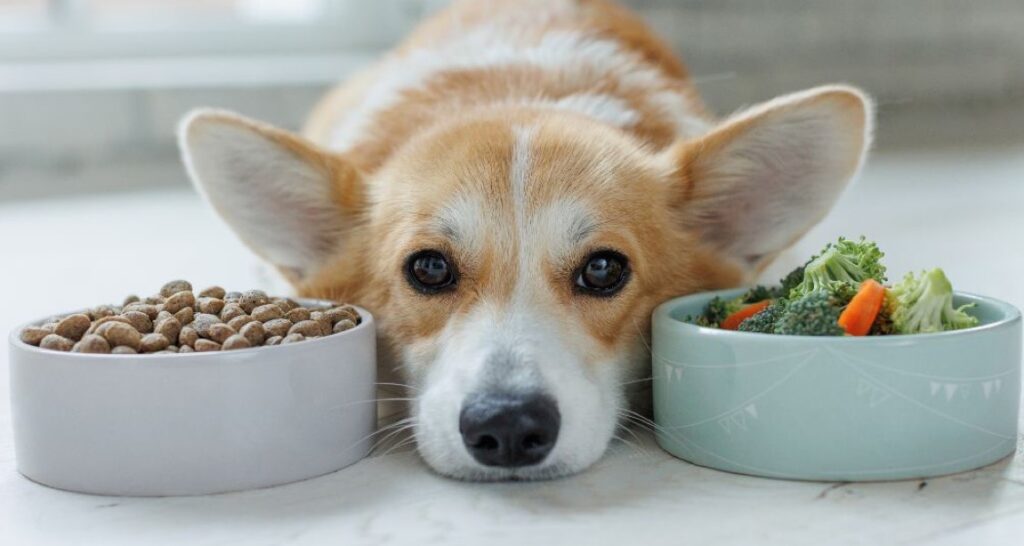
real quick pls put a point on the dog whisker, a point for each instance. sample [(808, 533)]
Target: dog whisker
[(643, 338), (373, 400), (641, 380), (393, 434), (402, 385), (392, 426)]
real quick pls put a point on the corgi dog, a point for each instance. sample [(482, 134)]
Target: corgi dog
[(511, 192)]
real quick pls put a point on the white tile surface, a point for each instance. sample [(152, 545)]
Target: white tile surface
[(963, 212)]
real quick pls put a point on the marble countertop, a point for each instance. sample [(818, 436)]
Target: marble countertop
[(962, 211)]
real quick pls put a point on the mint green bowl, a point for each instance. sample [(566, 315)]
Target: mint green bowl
[(838, 408)]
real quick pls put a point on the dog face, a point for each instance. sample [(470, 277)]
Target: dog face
[(513, 257)]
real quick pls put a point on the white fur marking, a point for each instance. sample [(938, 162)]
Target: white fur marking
[(576, 57)]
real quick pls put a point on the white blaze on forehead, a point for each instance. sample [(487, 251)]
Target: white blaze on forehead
[(575, 57), (463, 221), (519, 174)]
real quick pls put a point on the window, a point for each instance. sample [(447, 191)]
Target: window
[(32, 30)]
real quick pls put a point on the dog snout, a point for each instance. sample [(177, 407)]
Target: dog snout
[(509, 430)]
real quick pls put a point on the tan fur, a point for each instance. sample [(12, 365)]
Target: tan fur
[(693, 204)]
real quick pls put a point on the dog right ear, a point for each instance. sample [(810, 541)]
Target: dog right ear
[(288, 200)]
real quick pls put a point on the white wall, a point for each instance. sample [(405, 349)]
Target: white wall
[(945, 73)]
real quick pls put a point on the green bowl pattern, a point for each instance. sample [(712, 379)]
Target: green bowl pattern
[(812, 408)]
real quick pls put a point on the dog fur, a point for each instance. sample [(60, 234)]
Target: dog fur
[(517, 137)]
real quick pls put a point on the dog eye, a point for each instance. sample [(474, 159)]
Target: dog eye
[(604, 273), (429, 271)]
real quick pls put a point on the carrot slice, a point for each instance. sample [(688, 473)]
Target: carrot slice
[(863, 309), (732, 322)]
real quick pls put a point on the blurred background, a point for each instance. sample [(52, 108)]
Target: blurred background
[(90, 90), (94, 202)]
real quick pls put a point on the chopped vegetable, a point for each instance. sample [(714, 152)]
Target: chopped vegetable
[(718, 309), (816, 314), (840, 268), (925, 304), (861, 312), (841, 291), (790, 281), (732, 322), (764, 322)]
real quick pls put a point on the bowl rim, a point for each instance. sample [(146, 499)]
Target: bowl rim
[(15, 342), (662, 316)]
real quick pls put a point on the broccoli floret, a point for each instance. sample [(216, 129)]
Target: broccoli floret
[(925, 304), (790, 281), (840, 268), (699, 320), (764, 321), (757, 294), (814, 314), (883, 325), (717, 309)]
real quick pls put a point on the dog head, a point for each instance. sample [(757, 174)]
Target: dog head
[(513, 257)]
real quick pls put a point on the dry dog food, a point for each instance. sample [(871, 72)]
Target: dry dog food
[(176, 320)]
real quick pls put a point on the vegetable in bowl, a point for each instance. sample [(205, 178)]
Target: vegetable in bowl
[(842, 291)]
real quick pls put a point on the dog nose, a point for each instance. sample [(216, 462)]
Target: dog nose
[(509, 430)]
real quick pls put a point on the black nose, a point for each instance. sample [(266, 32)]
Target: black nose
[(509, 430)]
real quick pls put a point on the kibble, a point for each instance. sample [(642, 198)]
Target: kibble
[(33, 335), (174, 287), (168, 327), (213, 292), (209, 305), (101, 311), (176, 321), (324, 322), (342, 325), (202, 323), (238, 322), (56, 342), (236, 341), (278, 327), (254, 332), (232, 310), (298, 314), (188, 337), (92, 343), (267, 312), (286, 304), (205, 346), (185, 315), (139, 320), (149, 309), (152, 343), (219, 332), (179, 301), (120, 334), (251, 299)]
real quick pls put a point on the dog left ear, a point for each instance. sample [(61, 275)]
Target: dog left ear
[(288, 200), (755, 184)]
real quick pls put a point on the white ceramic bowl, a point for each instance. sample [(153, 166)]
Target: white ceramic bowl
[(197, 423)]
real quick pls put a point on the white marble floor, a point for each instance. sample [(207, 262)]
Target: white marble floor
[(964, 212)]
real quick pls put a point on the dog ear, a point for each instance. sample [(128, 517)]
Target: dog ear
[(288, 200), (755, 184)]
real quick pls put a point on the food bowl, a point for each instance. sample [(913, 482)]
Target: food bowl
[(196, 423), (837, 408)]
